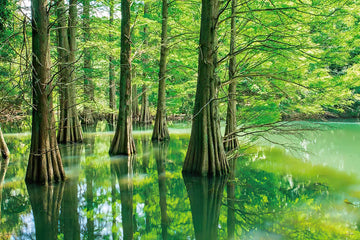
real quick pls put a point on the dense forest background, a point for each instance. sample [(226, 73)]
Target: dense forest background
[(294, 60)]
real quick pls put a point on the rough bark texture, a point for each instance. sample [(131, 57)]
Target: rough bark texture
[(45, 203), (124, 171), (112, 88), (3, 147), (145, 112), (205, 154), (45, 161), (161, 131), (123, 142), (69, 124), (89, 87), (230, 140), (160, 152), (205, 196)]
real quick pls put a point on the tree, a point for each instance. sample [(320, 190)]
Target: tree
[(44, 164), (205, 154), (112, 88), (230, 140), (89, 87), (123, 142), (161, 131), (69, 125), (3, 147)]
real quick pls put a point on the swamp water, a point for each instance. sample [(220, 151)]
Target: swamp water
[(272, 194)]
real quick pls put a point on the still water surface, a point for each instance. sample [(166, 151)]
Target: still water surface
[(272, 194)]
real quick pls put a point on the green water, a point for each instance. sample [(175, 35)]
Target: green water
[(303, 193)]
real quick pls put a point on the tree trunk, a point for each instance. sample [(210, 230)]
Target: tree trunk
[(161, 131), (123, 142), (89, 119), (112, 88), (45, 161), (205, 195), (205, 154), (145, 113), (45, 203), (124, 171), (69, 125), (3, 147), (230, 140), (135, 103)]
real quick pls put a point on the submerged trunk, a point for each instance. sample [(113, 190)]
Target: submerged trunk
[(145, 112), (123, 142), (45, 161), (112, 89), (124, 171), (230, 140), (161, 131), (69, 125), (205, 195), (205, 154), (160, 152), (45, 203), (89, 87), (3, 147)]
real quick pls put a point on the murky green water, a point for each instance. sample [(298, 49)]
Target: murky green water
[(273, 193)]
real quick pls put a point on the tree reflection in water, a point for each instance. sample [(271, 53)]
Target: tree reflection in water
[(123, 167), (205, 196), (4, 163)]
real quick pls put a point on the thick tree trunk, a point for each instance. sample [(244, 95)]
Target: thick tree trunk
[(45, 161), (205, 154), (112, 88), (69, 125), (160, 152), (89, 119), (123, 142), (145, 112), (45, 203), (205, 196), (161, 131), (124, 171), (3, 147), (230, 140)]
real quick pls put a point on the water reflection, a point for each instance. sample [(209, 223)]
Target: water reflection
[(230, 187), (4, 163), (45, 203), (123, 168), (160, 152), (205, 196)]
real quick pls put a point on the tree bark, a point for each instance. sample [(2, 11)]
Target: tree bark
[(205, 196), (135, 103), (89, 119), (160, 152), (124, 171), (230, 140), (145, 113), (3, 147), (123, 142), (161, 131), (112, 88), (44, 164), (45, 203), (69, 125), (205, 154)]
